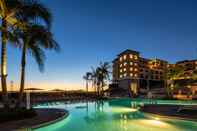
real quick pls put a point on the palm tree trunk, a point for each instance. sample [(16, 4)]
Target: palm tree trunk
[(3, 64), (22, 84), (87, 86)]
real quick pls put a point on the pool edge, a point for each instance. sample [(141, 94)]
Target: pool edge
[(169, 117), (45, 123)]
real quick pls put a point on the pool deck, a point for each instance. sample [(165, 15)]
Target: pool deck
[(44, 116), (170, 111)]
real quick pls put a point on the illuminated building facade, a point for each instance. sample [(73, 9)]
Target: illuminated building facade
[(138, 75)]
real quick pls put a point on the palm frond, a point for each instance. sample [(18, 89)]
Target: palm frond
[(39, 55), (44, 37), (34, 10), (12, 38)]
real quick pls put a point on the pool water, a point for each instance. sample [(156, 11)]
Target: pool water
[(115, 115)]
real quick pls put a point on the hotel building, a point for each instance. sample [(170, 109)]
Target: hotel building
[(137, 75)]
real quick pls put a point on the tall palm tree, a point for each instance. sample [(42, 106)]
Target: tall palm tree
[(35, 38), (35, 35), (104, 74), (87, 78), (94, 78), (8, 11), (10, 14), (100, 76)]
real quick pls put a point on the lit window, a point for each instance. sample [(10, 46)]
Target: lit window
[(135, 75), (131, 74), (135, 69), (131, 63), (125, 63), (125, 57), (135, 64), (124, 69), (120, 58), (120, 76), (125, 74), (131, 56), (120, 65), (120, 70), (136, 57), (131, 69)]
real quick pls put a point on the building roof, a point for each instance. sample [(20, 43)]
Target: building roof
[(156, 59), (128, 51), (183, 61), (116, 59), (144, 59)]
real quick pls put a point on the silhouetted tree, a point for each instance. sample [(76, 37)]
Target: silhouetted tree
[(35, 38), (101, 76), (8, 15), (87, 77)]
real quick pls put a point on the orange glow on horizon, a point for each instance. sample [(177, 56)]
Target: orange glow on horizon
[(47, 86)]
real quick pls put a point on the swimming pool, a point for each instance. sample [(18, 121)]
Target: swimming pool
[(115, 115)]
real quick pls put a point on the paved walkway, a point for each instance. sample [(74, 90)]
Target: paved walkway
[(44, 115), (170, 110)]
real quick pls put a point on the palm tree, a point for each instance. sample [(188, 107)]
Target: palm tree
[(104, 71), (94, 78), (34, 35), (35, 38), (100, 77), (87, 78), (8, 11)]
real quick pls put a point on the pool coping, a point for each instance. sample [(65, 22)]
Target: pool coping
[(46, 123), (51, 122), (169, 117)]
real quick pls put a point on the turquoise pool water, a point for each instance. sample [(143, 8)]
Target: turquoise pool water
[(115, 115)]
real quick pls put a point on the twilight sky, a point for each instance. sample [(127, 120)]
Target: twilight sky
[(90, 31)]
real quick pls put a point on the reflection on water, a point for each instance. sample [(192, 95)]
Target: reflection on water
[(114, 115)]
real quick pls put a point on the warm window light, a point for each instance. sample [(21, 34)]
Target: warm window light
[(135, 75), (120, 65), (136, 57), (120, 70), (125, 63), (131, 74), (151, 66), (120, 76), (124, 69), (125, 74), (125, 57), (135, 64), (131, 56), (131, 63), (135, 69), (131, 69), (120, 58)]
